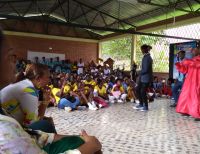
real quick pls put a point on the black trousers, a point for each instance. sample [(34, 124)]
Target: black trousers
[(142, 93)]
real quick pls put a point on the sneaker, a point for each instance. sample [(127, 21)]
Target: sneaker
[(100, 106), (68, 109), (144, 109), (138, 107), (120, 101), (173, 105), (91, 107), (137, 101), (132, 100), (93, 103), (112, 101)]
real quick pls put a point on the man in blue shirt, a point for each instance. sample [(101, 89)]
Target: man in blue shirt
[(179, 80)]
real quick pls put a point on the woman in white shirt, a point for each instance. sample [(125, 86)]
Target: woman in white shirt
[(21, 99)]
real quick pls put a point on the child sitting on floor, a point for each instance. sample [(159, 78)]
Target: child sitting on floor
[(100, 94), (117, 94)]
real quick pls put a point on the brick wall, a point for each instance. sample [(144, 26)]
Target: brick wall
[(19, 45), (72, 49)]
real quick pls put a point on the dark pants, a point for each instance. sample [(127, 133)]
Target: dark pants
[(176, 90), (43, 125), (142, 93)]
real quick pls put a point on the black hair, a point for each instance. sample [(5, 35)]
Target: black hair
[(146, 47), (182, 51), (32, 71), (118, 79), (171, 79)]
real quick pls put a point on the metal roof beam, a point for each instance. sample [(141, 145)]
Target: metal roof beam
[(146, 13), (95, 27), (95, 9), (56, 6), (19, 1), (172, 5)]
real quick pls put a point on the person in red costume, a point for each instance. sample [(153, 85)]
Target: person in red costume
[(189, 100)]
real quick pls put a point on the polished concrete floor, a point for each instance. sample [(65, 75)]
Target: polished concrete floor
[(123, 130)]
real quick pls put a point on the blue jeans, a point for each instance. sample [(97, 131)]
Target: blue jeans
[(176, 90), (66, 103)]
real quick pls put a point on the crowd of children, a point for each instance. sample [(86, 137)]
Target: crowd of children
[(77, 86)]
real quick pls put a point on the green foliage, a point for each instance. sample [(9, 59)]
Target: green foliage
[(159, 51), (119, 49)]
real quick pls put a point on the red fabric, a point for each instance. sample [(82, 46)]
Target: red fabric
[(101, 101), (189, 99), (166, 90)]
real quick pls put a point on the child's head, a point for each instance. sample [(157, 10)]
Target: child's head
[(88, 78), (170, 81), (155, 79), (99, 82), (112, 79), (56, 83), (118, 82)]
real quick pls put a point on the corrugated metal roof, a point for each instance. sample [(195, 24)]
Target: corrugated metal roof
[(101, 13)]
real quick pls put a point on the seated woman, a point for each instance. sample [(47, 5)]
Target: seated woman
[(100, 94), (20, 99), (117, 94)]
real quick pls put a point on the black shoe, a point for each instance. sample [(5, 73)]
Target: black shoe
[(185, 115), (173, 105), (197, 119)]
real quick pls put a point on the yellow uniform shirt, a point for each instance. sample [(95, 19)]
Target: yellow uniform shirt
[(101, 91), (54, 91), (121, 89), (74, 87), (67, 89), (92, 83)]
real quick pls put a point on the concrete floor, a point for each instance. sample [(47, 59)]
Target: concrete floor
[(123, 130)]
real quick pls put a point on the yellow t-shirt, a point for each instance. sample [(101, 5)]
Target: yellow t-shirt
[(51, 86), (92, 83), (67, 89), (74, 87), (121, 89), (101, 91), (54, 91)]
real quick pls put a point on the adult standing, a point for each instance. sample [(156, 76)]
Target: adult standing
[(80, 66), (179, 80), (189, 100), (145, 78)]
